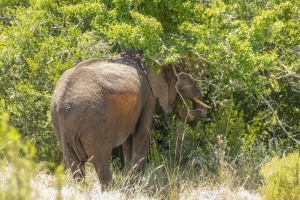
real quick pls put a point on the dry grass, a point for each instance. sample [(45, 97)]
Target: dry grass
[(218, 192), (46, 186)]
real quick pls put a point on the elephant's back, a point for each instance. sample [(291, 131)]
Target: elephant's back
[(107, 77), (94, 82)]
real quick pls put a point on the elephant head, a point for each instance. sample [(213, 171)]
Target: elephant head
[(168, 83), (198, 110)]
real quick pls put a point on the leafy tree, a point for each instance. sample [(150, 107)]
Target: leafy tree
[(245, 53)]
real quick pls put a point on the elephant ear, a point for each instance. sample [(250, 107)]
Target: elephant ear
[(160, 88)]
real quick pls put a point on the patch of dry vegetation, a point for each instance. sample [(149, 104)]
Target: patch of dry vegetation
[(47, 187)]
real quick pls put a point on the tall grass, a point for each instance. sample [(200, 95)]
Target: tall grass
[(152, 186), (179, 170)]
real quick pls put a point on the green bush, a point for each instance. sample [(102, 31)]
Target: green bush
[(16, 163), (227, 147), (244, 55), (281, 177)]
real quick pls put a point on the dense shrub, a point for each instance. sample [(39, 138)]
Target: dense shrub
[(16, 161), (281, 177), (244, 56)]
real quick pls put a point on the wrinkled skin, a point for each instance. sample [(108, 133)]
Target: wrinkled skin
[(101, 104)]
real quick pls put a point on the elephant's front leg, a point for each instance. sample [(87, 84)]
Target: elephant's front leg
[(140, 150), (140, 139), (127, 153)]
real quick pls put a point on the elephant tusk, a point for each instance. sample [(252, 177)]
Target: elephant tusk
[(196, 100)]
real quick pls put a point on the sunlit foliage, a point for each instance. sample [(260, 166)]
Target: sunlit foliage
[(243, 54)]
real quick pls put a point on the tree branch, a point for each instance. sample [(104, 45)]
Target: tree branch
[(281, 124)]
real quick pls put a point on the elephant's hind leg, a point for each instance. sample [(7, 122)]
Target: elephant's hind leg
[(101, 164), (77, 166), (99, 153)]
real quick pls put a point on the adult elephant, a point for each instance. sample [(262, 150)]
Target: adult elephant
[(101, 104)]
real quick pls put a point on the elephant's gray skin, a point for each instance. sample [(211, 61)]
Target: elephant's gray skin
[(101, 104)]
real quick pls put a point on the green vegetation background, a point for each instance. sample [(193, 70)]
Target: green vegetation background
[(245, 56)]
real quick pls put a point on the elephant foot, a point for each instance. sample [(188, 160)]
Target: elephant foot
[(106, 181), (78, 172)]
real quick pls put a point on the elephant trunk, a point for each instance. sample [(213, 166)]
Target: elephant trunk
[(196, 113), (199, 109), (185, 114)]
